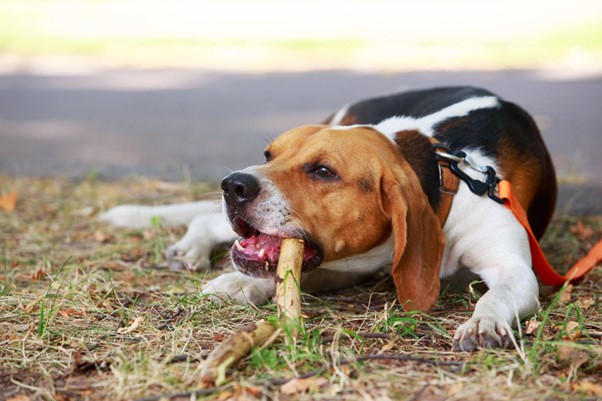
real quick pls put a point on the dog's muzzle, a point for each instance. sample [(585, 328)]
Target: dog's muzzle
[(256, 253)]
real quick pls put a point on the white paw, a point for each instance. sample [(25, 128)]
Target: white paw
[(194, 249), (129, 216), (237, 287), (191, 253), (483, 332)]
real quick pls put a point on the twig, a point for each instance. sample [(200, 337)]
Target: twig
[(327, 340), (185, 394), (369, 357), (387, 357), (170, 319), (418, 393), (236, 347), (186, 358)]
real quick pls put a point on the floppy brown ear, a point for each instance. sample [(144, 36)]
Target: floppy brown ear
[(419, 241)]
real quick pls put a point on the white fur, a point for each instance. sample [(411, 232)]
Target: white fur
[(240, 288), (426, 124), (137, 216), (338, 117)]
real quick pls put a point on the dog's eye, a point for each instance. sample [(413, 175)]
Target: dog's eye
[(322, 171), (268, 156)]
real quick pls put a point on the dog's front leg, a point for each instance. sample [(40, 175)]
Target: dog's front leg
[(238, 287), (193, 250), (513, 294)]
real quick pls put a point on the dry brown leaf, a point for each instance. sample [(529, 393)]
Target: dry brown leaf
[(588, 388), (39, 275), (298, 386), (102, 237), (581, 230), (8, 202), (19, 397), (573, 332), (131, 327), (571, 355), (585, 303), (532, 327), (565, 352), (67, 313), (565, 297)]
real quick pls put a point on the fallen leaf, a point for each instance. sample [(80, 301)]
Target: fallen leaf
[(148, 234), (297, 386), (102, 237), (66, 313), (39, 275), (588, 388), (565, 352), (581, 230), (565, 297), (573, 332), (240, 393), (532, 327), (131, 327), (19, 397), (9, 202), (585, 303), (573, 356)]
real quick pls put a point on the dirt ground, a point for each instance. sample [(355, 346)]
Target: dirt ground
[(88, 311)]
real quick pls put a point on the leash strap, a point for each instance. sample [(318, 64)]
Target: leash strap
[(542, 267)]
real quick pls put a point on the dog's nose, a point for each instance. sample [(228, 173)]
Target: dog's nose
[(240, 188)]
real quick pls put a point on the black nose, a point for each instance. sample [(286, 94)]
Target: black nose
[(240, 188)]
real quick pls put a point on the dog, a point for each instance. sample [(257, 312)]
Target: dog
[(366, 191)]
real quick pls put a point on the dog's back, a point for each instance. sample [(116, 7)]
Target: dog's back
[(506, 133)]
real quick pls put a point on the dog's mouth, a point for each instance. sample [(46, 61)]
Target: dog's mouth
[(256, 254)]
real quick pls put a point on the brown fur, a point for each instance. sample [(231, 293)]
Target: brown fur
[(346, 219)]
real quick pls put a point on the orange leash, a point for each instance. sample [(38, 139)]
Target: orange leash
[(542, 267)]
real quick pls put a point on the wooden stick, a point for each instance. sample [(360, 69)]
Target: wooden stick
[(288, 300), (288, 278), (236, 347)]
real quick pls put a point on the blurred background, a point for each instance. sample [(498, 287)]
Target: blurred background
[(193, 89)]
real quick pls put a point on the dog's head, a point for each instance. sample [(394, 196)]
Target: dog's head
[(344, 191)]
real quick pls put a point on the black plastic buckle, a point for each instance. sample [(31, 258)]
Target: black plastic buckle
[(478, 187), (491, 192)]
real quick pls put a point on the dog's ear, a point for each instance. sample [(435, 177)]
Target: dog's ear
[(418, 239)]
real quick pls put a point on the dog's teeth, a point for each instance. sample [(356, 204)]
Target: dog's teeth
[(238, 246), (267, 266), (261, 253)]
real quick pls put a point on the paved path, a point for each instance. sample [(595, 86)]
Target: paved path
[(158, 123)]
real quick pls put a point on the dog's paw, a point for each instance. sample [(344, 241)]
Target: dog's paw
[(239, 288), (188, 254), (483, 332)]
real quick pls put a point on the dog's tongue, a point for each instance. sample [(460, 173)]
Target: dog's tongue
[(260, 247), (263, 247)]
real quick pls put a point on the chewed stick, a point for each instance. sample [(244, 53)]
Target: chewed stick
[(236, 347), (288, 278), (288, 300)]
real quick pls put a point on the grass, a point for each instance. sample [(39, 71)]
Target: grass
[(88, 311)]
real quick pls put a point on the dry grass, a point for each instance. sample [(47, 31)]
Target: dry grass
[(87, 312)]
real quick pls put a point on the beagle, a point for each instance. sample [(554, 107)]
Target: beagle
[(365, 190)]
